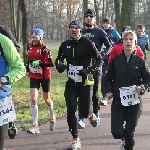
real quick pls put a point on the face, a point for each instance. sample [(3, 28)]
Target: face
[(106, 25), (74, 31), (129, 43), (89, 20), (140, 32), (35, 36)]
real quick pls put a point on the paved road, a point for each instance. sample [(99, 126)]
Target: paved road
[(98, 138)]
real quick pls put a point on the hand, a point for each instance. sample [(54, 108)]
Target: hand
[(103, 54), (83, 72), (138, 89), (35, 63), (109, 95), (61, 68)]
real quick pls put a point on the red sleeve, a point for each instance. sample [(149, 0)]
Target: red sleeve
[(112, 54), (139, 52)]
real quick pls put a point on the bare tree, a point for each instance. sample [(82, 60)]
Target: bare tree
[(25, 41), (117, 14)]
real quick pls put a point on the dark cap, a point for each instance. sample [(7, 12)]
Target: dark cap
[(126, 28), (107, 20), (77, 23), (90, 12)]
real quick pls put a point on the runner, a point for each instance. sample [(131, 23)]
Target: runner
[(39, 72), (9, 58), (127, 74)]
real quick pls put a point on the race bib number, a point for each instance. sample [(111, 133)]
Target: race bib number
[(72, 73), (7, 111), (129, 96), (35, 69)]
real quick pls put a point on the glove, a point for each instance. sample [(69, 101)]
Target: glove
[(35, 63), (83, 72), (61, 68)]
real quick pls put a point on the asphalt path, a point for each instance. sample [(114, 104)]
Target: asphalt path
[(92, 138)]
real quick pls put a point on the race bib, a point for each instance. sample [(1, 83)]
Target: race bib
[(35, 69), (7, 110), (129, 96), (72, 73)]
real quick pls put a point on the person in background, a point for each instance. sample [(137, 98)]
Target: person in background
[(142, 39), (118, 47), (39, 72), (114, 37), (125, 82), (11, 70), (78, 53), (98, 36)]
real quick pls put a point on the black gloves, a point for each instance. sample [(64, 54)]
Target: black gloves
[(61, 68), (83, 72)]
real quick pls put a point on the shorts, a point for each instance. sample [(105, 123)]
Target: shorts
[(45, 83)]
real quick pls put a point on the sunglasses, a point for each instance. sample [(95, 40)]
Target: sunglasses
[(89, 16)]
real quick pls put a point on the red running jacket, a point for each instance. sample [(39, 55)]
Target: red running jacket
[(45, 57), (117, 49)]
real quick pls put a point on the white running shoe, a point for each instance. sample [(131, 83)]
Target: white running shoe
[(103, 102), (75, 144), (81, 124), (122, 144), (33, 130)]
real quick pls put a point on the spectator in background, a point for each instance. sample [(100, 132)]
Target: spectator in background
[(114, 37), (142, 39), (118, 47)]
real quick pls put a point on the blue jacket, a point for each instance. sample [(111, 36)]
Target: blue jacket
[(113, 35), (143, 42)]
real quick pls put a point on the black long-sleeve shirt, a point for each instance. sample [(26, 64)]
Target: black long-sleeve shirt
[(79, 53), (124, 74)]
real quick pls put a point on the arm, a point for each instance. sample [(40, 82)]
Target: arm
[(59, 62), (97, 58), (107, 42), (112, 54), (108, 79), (13, 59), (116, 35), (48, 56), (139, 52)]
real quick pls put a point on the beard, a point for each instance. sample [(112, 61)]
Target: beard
[(88, 24)]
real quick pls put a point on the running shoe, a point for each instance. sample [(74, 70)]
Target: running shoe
[(75, 144), (94, 120), (34, 129), (52, 124), (81, 124), (122, 144), (103, 102)]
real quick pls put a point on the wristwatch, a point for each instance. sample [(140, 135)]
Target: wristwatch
[(4, 80)]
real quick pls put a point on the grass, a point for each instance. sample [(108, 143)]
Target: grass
[(21, 97)]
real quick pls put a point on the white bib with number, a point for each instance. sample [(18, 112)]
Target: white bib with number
[(35, 69), (129, 96), (7, 110), (72, 73)]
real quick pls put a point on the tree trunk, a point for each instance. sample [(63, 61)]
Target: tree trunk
[(125, 13), (117, 14), (24, 28), (18, 24)]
